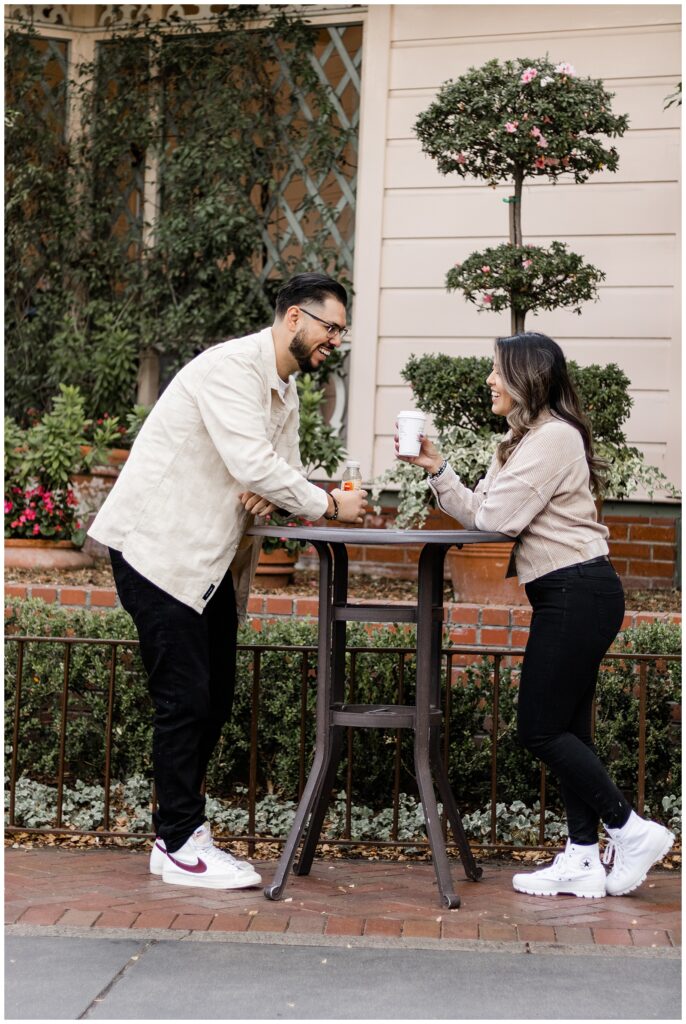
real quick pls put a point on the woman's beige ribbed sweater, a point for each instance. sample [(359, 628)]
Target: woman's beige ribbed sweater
[(541, 496)]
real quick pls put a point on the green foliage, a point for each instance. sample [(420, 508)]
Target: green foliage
[(525, 278), (135, 420), (214, 117), (53, 452), (452, 390), (556, 121), (50, 451), (617, 722), (675, 98), (320, 446), (376, 680)]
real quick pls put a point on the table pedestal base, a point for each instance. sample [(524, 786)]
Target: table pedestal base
[(334, 716)]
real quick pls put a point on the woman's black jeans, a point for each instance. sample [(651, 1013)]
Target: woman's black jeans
[(577, 612), (190, 659)]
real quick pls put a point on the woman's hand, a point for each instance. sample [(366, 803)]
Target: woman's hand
[(255, 504), (429, 457)]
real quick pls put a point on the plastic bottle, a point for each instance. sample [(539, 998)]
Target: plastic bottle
[(352, 478)]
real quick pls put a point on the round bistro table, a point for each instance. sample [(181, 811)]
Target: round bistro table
[(334, 715)]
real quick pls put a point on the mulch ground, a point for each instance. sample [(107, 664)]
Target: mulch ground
[(362, 587)]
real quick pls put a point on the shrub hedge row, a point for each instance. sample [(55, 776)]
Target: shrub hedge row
[(278, 757)]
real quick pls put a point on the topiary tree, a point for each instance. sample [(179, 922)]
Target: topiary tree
[(506, 122)]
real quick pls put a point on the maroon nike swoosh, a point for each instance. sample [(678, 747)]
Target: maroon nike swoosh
[(194, 869)]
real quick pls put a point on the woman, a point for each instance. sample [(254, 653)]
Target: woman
[(539, 489)]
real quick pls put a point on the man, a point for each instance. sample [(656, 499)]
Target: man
[(220, 446)]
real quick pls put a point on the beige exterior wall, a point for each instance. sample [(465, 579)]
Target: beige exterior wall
[(413, 224)]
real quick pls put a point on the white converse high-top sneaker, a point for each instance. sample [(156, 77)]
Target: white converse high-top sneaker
[(635, 847), (576, 871), (202, 864)]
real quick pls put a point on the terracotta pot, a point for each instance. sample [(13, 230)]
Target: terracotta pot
[(115, 456), (477, 573), (21, 553), (276, 568)]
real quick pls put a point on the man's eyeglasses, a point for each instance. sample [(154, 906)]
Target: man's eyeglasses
[(331, 329)]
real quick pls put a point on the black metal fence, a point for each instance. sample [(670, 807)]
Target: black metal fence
[(452, 655)]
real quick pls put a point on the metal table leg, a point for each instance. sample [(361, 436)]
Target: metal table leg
[(314, 788), (428, 668)]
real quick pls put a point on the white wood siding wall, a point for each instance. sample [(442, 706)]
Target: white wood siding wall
[(413, 224)]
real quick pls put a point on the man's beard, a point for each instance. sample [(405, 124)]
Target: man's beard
[(300, 350)]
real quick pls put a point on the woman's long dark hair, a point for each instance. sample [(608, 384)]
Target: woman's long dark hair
[(534, 371)]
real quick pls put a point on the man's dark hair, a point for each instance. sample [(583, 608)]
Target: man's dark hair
[(309, 286)]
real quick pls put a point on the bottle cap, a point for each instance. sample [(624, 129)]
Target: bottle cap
[(353, 464)]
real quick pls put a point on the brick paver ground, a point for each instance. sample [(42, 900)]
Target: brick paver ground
[(111, 887)]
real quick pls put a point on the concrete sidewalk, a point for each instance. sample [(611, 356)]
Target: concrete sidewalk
[(111, 887), (103, 975)]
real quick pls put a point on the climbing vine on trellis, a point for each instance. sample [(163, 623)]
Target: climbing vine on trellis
[(207, 165)]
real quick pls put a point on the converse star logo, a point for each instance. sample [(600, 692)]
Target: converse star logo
[(587, 863)]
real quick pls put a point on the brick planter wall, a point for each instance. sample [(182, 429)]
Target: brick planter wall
[(643, 550), (468, 624)]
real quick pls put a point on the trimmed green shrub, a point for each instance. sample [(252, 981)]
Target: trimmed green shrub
[(376, 679)]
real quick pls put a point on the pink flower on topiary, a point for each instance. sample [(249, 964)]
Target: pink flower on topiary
[(542, 142), (485, 270), (528, 75), (539, 162), (535, 131), (461, 158), (511, 126), (8, 507), (526, 264), (565, 69), (488, 299), (36, 528)]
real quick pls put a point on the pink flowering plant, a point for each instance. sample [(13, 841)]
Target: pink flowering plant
[(525, 277), (36, 513), (507, 122)]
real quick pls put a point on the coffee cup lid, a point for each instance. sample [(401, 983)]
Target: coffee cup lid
[(414, 413)]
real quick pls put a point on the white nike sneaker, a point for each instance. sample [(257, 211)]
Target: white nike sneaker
[(635, 847), (158, 855), (200, 863), (576, 871)]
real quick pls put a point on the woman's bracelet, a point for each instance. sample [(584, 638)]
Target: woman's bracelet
[(440, 471)]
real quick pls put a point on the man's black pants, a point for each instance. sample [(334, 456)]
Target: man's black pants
[(577, 612), (190, 659)]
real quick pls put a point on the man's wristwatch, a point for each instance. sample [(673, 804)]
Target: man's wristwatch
[(334, 514)]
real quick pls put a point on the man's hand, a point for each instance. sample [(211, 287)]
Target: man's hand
[(257, 505), (352, 506)]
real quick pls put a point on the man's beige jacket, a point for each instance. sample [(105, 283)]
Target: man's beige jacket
[(219, 428)]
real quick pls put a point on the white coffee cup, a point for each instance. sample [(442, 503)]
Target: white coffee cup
[(411, 424)]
